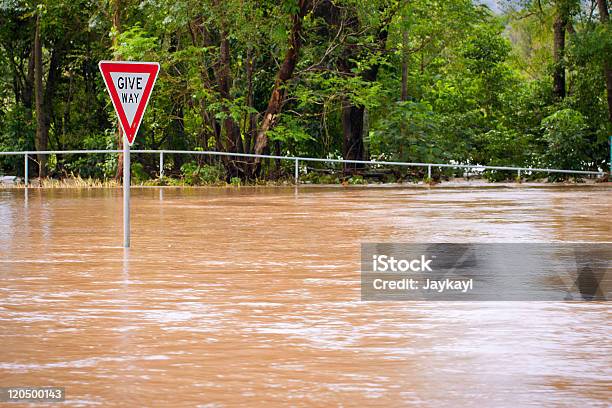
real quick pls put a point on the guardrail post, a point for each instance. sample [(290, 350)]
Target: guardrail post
[(25, 166), (297, 171), (519, 175), (161, 165), (429, 172)]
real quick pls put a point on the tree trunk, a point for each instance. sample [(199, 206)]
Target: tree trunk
[(405, 56), (201, 38), (353, 115), (352, 129), (559, 28), (404, 95), (284, 74), (53, 76), (115, 6), (233, 138), (203, 134), (176, 132), (277, 152), (29, 88), (604, 17), (251, 126), (224, 78), (42, 130)]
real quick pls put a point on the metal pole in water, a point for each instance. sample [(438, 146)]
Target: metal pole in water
[(161, 165), (26, 170), (297, 171), (126, 193)]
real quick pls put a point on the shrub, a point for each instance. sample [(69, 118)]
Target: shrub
[(565, 134), (211, 174), (354, 180), (139, 175), (194, 174)]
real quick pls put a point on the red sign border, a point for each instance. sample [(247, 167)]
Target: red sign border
[(135, 67)]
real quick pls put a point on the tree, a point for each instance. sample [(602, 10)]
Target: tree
[(284, 74), (115, 7), (419, 80), (42, 129), (559, 28), (604, 17)]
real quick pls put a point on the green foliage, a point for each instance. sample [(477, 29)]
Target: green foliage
[(16, 134), (356, 180), (506, 147), (485, 50), (479, 85), (289, 130), (194, 174), (565, 133), (314, 177), (90, 166), (135, 44), (410, 129), (139, 175)]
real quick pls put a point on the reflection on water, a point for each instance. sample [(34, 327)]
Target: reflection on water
[(243, 296)]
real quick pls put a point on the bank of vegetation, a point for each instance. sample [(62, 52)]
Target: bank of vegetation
[(421, 81)]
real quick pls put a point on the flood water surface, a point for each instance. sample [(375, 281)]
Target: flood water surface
[(251, 297)]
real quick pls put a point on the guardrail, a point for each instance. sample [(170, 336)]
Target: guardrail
[(297, 161)]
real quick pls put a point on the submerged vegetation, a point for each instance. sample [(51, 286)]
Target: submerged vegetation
[(194, 175), (421, 81)]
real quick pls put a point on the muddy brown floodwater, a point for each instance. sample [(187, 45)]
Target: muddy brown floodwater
[(251, 297)]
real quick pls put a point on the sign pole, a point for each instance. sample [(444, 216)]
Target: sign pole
[(126, 192), (129, 85)]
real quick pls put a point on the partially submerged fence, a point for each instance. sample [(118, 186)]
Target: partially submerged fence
[(297, 161)]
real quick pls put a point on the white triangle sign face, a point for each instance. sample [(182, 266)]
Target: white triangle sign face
[(129, 85)]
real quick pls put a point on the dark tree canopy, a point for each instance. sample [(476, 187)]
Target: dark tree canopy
[(422, 81)]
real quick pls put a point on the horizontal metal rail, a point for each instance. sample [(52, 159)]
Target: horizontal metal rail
[(312, 159)]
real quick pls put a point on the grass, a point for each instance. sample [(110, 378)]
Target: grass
[(78, 182), (69, 182)]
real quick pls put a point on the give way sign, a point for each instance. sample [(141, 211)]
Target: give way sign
[(129, 85)]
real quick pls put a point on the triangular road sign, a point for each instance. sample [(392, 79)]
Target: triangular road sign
[(129, 85)]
